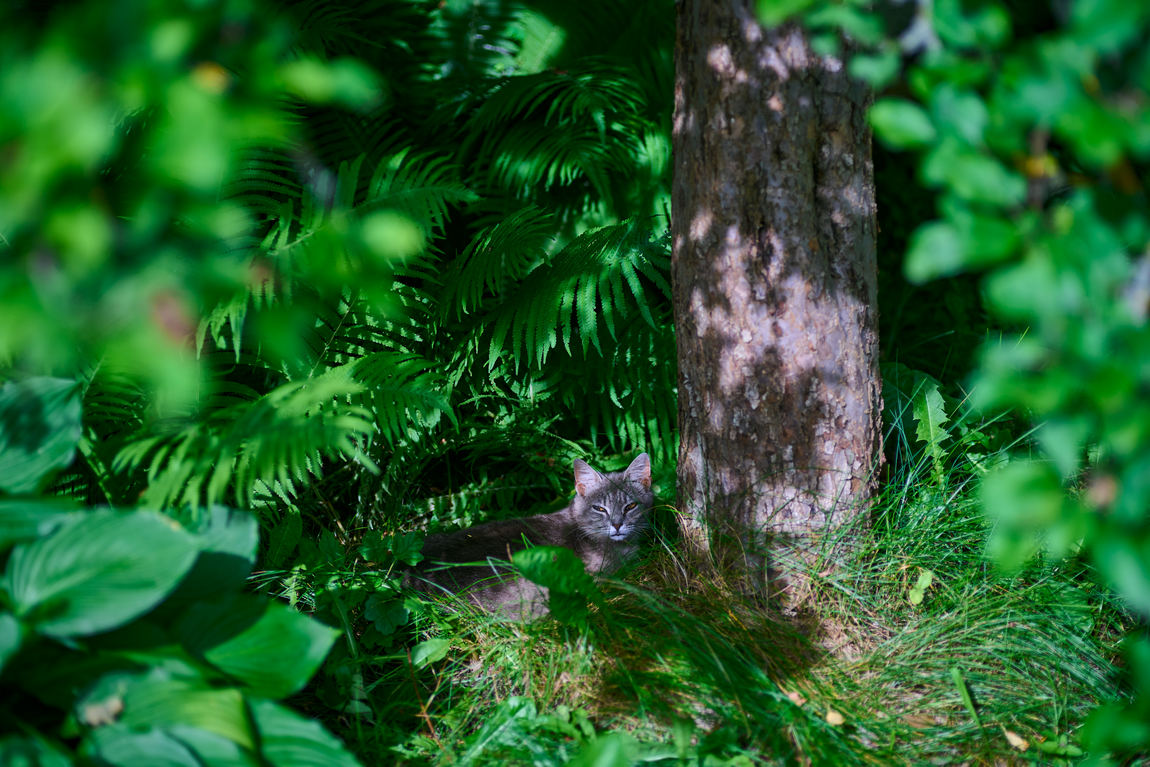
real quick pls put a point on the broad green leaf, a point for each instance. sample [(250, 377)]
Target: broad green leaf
[(159, 699), (39, 429), (28, 519), (555, 568), (430, 651), (877, 70), (973, 175), (1029, 513), (1108, 25), (901, 124), (30, 752), (99, 572), (386, 613), (614, 749), (212, 749), (266, 645), (290, 740), (1125, 562), (122, 747), (960, 113), (227, 541), (935, 251), (11, 637)]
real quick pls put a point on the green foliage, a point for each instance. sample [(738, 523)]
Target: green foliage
[(1035, 147), (569, 586), (124, 636)]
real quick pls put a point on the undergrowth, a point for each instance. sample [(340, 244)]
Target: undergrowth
[(909, 648)]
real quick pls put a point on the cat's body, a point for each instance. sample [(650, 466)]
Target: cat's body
[(602, 525)]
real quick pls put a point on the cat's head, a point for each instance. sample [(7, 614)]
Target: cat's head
[(613, 507)]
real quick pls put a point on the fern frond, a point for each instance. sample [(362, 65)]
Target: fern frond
[(283, 437), (404, 394), (498, 256), (583, 284)]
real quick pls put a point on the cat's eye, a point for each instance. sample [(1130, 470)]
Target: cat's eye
[(599, 509), (630, 506)]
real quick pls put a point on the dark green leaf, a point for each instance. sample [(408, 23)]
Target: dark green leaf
[(228, 541), (31, 752), (29, 519), (289, 740), (39, 430), (99, 572), (284, 538), (119, 746), (157, 699), (11, 637), (268, 646)]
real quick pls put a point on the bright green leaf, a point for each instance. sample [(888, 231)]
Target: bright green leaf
[(290, 740), (901, 124), (430, 651), (267, 645), (99, 572)]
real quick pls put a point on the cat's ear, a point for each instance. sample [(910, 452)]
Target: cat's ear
[(639, 471), (586, 478)]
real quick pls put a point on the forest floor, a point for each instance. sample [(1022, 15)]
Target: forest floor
[(912, 649)]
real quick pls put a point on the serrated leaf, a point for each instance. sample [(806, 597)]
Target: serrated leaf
[(99, 572), (930, 417)]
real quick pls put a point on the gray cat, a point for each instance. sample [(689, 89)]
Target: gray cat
[(602, 525)]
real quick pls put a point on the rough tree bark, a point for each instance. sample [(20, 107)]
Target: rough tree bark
[(774, 280)]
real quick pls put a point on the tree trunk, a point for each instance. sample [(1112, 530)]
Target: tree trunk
[(774, 280)]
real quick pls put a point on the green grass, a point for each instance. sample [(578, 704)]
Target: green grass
[(678, 667)]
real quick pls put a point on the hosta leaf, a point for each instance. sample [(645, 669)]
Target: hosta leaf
[(32, 752), (99, 572), (159, 699), (121, 747), (289, 740), (10, 637), (39, 429), (228, 540), (29, 519), (268, 646)]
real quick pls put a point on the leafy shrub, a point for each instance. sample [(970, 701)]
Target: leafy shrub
[(127, 638), (1035, 147)]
